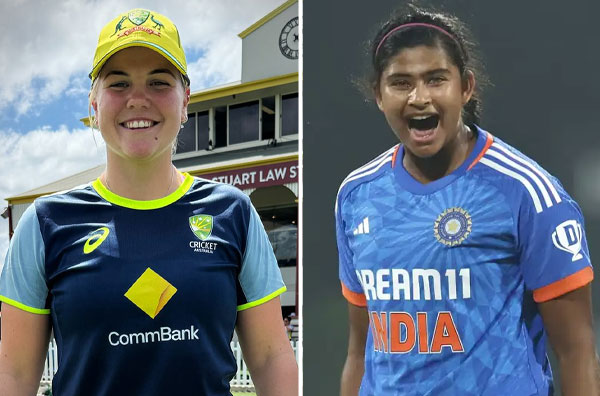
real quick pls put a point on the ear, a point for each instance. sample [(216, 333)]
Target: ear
[(378, 100), (184, 109), (468, 86)]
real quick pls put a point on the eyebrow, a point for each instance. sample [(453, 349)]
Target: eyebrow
[(155, 71), (440, 70)]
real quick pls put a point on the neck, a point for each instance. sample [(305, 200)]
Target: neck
[(444, 162), (141, 181)]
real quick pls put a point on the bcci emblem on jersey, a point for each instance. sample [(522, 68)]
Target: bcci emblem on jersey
[(452, 226), (201, 226), (567, 237)]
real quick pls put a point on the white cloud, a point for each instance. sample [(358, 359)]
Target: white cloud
[(51, 42), (42, 156), (47, 49)]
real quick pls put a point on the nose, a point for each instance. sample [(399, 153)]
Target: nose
[(138, 99), (419, 96)]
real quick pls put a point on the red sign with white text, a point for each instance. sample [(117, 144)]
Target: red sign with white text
[(257, 176)]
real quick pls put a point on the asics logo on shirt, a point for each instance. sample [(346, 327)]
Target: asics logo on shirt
[(96, 238), (567, 237), (363, 227)]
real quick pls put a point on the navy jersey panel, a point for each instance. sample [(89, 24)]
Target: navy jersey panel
[(449, 271), (145, 301)]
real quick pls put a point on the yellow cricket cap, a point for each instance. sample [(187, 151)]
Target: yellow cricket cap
[(140, 28)]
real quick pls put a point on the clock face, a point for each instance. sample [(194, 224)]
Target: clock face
[(289, 39)]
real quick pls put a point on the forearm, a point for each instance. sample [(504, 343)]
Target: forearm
[(352, 375), (11, 385), (277, 376), (580, 374)]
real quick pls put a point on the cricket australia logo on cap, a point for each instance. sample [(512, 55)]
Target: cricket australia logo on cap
[(202, 226), (138, 17), (452, 226)]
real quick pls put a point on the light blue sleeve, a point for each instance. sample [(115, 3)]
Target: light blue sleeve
[(259, 278), (23, 280)]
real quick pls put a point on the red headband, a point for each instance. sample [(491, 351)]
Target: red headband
[(407, 25)]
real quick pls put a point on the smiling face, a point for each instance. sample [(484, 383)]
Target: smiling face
[(422, 94), (140, 104)]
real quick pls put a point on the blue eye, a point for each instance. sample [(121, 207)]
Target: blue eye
[(158, 83), (120, 84)]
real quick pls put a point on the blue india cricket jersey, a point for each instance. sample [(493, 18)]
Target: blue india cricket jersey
[(450, 272), (143, 295)]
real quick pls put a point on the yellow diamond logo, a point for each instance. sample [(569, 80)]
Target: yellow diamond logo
[(150, 292)]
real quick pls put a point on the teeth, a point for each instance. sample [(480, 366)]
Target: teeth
[(421, 117), (138, 124)]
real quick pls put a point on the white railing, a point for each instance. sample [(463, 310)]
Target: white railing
[(240, 380)]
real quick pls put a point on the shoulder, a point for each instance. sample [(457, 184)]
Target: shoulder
[(380, 165), (82, 194), (515, 173), (218, 191)]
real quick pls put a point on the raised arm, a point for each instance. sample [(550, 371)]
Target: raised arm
[(355, 360), (23, 349), (267, 350), (568, 320)]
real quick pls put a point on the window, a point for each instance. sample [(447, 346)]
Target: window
[(203, 130), (241, 125), (186, 140), (289, 114), (221, 126), (267, 117), (243, 122)]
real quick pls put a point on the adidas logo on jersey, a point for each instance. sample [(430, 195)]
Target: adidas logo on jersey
[(363, 227)]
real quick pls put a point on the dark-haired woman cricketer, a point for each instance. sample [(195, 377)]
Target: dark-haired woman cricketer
[(458, 254)]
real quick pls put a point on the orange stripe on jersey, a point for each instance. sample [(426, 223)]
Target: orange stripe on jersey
[(394, 155), (488, 143), (358, 299), (563, 286)]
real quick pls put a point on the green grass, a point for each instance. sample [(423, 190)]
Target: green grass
[(234, 393)]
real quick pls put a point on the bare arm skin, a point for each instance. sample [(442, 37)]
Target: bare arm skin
[(267, 350), (568, 321), (23, 349), (355, 360)]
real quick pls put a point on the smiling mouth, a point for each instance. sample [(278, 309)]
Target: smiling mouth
[(138, 124), (425, 123)]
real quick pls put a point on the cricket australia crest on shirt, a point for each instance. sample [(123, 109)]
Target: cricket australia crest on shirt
[(452, 226), (202, 226)]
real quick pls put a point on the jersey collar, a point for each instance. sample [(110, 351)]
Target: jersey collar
[(143, 205), (484, 140)]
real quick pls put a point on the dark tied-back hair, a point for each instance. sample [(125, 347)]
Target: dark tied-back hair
[(432, 29)]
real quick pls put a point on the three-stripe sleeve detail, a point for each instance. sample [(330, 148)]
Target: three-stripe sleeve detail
[(543, 193), (368, 169)]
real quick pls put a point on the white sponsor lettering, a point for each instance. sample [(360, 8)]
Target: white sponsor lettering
[(165, 334), (426, 284), (203, 246)]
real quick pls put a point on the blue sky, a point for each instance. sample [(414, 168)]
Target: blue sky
[(47, 50)]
